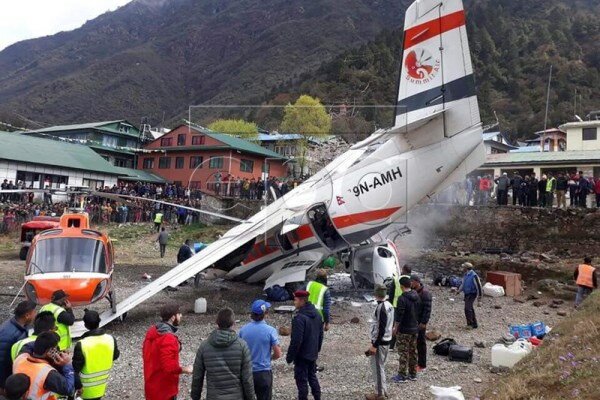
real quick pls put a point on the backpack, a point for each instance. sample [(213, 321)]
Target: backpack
[(277, 293), (460, 353), (442, 348)]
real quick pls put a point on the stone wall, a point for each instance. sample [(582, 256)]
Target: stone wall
[(574, 232)]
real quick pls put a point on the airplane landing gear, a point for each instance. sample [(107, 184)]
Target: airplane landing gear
[(112, 299)]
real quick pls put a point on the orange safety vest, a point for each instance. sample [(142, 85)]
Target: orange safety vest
[(37, 370), (586, 275)]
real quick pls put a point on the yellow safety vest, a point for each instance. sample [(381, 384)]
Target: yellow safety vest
[(549, 185), (316, 295), (15, 350), (63, 330), (397, 289), (98, 352), (158, 218)]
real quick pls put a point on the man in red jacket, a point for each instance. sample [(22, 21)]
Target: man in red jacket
[(161, 357)]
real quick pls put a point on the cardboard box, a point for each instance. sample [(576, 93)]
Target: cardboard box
[(510, 281)]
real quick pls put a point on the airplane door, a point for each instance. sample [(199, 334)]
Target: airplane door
[(324, 228)]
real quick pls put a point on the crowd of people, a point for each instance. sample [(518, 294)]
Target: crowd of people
[(230, 364), (250, 189), (550, 190)]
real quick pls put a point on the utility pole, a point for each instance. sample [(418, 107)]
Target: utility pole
[(547, 105)]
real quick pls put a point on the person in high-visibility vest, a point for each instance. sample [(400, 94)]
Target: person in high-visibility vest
[(93, 358), (158, 220), (586, 279), (395, 289), (62, 310), (49, 370), (320, 297), (44, 322)]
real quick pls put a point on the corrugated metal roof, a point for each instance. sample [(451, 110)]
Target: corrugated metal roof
[(90, 125), (580, 124), (547, 157), (139, 175), (34, 150)]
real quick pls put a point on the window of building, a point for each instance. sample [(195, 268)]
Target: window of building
[(93, 183), (196, 161), (148, 163), (179, 162), (246, 165), (124, 128), (164, 162), (181, 139), (121, 162), (590, 133), (197, 140), (110, 141), (39, 181), (167, 141), (215, 162)]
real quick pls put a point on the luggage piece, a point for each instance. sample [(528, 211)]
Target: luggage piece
[(460, 353), (442, 348)]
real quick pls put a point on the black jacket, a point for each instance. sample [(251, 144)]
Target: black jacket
[(424, 309), (561, 183), (79, 358), (406, 314), (307, 334), (184, 253), (10, 333)]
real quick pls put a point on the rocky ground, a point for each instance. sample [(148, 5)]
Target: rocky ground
[(347, 372)]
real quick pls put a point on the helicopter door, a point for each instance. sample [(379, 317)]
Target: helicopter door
[(324, 228)]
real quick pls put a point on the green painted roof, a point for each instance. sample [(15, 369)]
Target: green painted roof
[(139, 175), (102, 126), (29, 149), (237, 143), (539, 158)]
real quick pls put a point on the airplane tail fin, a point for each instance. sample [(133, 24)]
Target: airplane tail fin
[(436, 74)]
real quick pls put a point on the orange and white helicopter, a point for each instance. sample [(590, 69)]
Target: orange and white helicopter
[(436, 140)]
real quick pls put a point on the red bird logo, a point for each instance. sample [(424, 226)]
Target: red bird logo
[(419, 66)]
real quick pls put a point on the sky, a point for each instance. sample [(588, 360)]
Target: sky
[(27, 19)]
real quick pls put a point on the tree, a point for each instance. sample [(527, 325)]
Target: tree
[(236, 127), (308, 118)]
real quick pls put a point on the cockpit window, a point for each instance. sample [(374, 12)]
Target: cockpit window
[(68, 255)]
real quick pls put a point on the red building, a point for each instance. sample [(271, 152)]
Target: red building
[(192, 156)]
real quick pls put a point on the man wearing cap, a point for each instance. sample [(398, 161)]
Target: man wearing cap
[(320, 296), (381, 335), (11, 331), (305, 345), (263, 341), (93, 358), (471, 287), (423, 315), (406, 328), (62, 310)]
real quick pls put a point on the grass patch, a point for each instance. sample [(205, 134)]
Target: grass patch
[(566, 366)]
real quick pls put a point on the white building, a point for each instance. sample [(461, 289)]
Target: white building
[(45, 162), (582, 135)]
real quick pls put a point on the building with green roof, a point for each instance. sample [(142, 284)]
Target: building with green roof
[(116, 141)]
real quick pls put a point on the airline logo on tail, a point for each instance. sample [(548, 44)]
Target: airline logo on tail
[(421, 66)]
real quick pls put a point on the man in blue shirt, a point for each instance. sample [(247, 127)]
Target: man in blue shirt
[(263, 341), (471, 287)]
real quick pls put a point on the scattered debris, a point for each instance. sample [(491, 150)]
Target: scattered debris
[(200, 305), (147, 277), (356, 304), (557, 301), (562, 313), (284, 309), (433, 335), (355, 320), (497, 306), (519, 300), (285, 331), (477, 380), (480, 344), (539, 303)]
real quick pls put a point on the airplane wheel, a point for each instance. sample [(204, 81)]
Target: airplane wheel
[(123, 317), (23, 253)]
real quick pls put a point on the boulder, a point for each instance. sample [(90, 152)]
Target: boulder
[(433, 335), (539, 303), (355, 320), (285, 331)]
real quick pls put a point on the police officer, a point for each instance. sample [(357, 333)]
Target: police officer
[(62, 310), (93, 358), (158, 220), (320, 297)]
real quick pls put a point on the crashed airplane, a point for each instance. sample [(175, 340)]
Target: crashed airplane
[(436, 140)]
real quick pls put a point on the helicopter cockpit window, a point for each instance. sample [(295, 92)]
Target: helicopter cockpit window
[(68, 255)]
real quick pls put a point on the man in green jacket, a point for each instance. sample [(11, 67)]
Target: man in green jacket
[(226, 361)]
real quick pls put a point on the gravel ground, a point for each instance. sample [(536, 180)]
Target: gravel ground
[(347, 372)]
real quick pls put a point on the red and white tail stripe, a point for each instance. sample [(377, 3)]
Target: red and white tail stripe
[(437, 73)]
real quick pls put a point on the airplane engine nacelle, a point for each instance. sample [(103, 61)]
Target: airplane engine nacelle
[(372, 264)]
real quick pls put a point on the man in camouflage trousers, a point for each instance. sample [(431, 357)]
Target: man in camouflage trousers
[(406, 327)]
